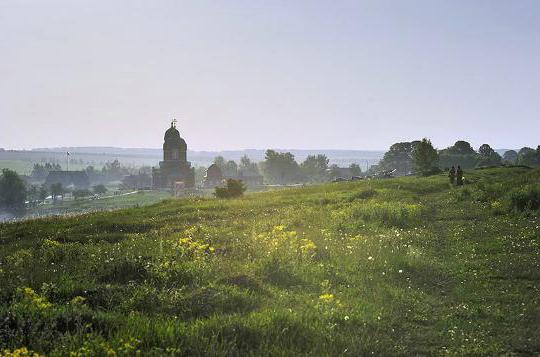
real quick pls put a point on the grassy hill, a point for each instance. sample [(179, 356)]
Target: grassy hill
[(392, 267)]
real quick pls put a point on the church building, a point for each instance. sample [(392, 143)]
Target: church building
[(174, 169)]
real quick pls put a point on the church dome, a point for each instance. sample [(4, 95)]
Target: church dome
[(173, 140)]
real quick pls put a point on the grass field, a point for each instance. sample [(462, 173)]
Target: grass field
[(407, 266), (140, 198)]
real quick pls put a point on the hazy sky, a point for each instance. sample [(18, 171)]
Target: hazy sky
[(258, 74)]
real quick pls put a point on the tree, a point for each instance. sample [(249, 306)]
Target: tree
[(461, 148), (56, 190), (230, 169), (425, 158), (529, 157), (355, 169), (233, 188), (220, 162), (399, 157), (280, 167), (246, 165), (99, 189), (81, 193), (32, 194), (510, 156), (461, 153), (43, 192), (488, 156), (12, 190), (314, 167)]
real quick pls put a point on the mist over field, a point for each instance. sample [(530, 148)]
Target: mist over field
[(269, 178)]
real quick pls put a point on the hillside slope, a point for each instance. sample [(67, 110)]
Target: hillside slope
[(402, 266)]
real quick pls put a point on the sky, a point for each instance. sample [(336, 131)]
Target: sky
[(269, 74)]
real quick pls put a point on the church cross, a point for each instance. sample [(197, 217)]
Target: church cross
[(173, 123)]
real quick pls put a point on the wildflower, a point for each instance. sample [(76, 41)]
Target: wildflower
[(327, 297), (30, 298), (78, 300), (19, 352)]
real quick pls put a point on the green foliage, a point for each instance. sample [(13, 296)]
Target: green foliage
[(233, 188), (57, 190), (460, 148), (12, 190), (525, 198), (100, 189), (425, 158), (488, 156), (81, 193), (399, 157), (355, 169), (314, 168), (280, 167), (510, 156), (246, 165), (529, 157), (319, 270)]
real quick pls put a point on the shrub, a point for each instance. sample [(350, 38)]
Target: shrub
[(100, 189), (526, 198), (81, 193), (233, 188)]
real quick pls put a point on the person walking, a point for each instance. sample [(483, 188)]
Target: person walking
[(452, 175), (459, 176)]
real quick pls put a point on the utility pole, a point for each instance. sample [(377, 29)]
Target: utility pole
[(67, 160)]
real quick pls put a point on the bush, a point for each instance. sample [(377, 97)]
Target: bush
[(100, 189), (526, 198), (233, 188), (81, 193)]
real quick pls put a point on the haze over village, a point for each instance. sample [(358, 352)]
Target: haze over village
[(269, 178)]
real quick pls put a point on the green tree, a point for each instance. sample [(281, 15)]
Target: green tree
[(32, 193), (488, 156), (233, 188), (230, 169), (246, 165), (399, 157), (99, 189), (461, 153), (43, 192), (12, 190), (81, 193), (355, 169), (461, 147), (510, 156), (425, 158), (280, 167), (529, 157), (314, 167), (56, 190), (220, 162)]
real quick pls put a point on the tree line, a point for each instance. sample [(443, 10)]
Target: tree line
[(282, 168), (421, 157)]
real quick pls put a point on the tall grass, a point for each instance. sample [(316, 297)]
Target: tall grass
[(405, 266)]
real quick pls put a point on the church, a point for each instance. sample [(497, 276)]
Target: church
[(174, 170)]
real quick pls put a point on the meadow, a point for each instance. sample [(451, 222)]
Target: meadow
[(106, 203), (406, 266)]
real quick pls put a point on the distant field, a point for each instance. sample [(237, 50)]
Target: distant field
[(140, 198), (406, 266), (24, 167)]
